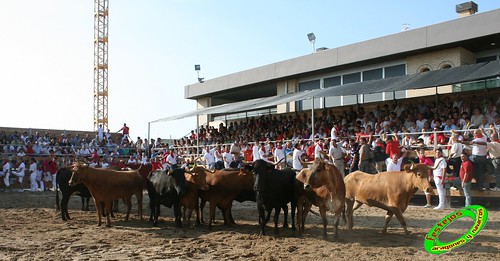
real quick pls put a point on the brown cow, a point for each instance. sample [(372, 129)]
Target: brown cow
[(107, 185), (323, 187), (195, 180), (225, 185), (390, 191)]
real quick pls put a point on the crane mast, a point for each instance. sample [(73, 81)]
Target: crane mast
[(101, 8)]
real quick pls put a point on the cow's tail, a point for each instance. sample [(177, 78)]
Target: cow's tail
[(57, 192)]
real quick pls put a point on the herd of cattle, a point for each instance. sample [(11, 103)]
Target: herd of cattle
[(189, 189)]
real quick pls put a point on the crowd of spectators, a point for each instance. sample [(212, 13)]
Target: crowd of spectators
[(410, 123)]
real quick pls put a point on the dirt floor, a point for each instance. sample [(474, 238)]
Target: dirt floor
[(31, 229)]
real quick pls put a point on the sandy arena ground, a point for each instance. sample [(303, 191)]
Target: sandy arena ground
[(31, 229)]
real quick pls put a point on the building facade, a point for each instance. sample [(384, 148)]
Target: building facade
[(471, 38)]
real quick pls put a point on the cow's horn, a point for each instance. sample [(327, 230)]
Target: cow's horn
[(278, 162), (412, 165)]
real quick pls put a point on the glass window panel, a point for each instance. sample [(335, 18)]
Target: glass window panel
[(372, 74), (352, 77), (396, 70), (332, 81)]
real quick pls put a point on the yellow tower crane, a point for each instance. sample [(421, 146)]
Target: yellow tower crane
[(101, 20)]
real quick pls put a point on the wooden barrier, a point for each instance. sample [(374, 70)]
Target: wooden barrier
[(474, 193)]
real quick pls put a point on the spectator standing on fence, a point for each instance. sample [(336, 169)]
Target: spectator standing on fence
[(33, 171), (392, 145), (478, 157), (454, 158), (19, 172), (439, 173), (235, 150), (466, 176), (494, 154), (100, 133), (125, 133)]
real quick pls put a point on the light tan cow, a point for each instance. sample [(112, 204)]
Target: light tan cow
[(390, 191)]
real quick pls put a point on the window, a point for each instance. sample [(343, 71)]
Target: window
[(486, 59), (396, 70), (332, 81), (372, 74), (305, 86), (352, 77)]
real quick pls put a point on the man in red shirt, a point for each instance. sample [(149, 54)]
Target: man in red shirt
[(466, 177), (392, 146), (126, 132)]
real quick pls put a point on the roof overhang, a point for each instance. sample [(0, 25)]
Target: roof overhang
[(462, 74)]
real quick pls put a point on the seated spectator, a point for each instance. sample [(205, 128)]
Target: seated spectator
[(440, 138)]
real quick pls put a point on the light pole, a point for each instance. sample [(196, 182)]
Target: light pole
[(197, 68), (312, 40)]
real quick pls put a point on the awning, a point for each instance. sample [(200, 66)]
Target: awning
[(466, 73)]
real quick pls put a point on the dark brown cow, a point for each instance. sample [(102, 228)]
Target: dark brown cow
[(195, 181), (390, 191), (224, 187), (107, 185), (323, 187)]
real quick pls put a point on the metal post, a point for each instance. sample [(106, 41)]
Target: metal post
[(197, 136), (312, 118)]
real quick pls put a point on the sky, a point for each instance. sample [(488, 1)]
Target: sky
[(46, 51)]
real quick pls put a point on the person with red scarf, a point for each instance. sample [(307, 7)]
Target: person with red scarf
[(422, 159)]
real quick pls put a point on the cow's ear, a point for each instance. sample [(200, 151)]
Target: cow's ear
[(407, 168)]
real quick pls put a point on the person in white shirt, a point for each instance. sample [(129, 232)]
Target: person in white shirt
[(319, 151), (454, 153), (19, 173), (439, 171), (478, 157), (172, 159), (6, 170), (209, 158), (394, 163), (255, 151), (279, 156), (227, 157), (33, 174), (131, 160), (297, 157), (336, 154)]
